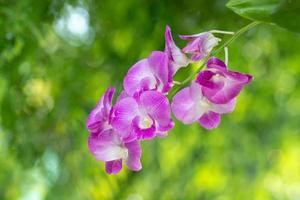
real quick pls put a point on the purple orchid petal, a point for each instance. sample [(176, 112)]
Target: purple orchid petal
[(199, 45), (194, 46), (122, 95), (185, 104), (166, 128), (107, 101), (158, 61), (134, 156), (106, 146), (113, 167), (145, 84), (215, 62), (224, 108), (210, 120), (125, 111), (157, 106), (239, 77), (196, 91), (98, 118), (204, 78), (176, 56), (162, 131), (198, 56), (137, 76)]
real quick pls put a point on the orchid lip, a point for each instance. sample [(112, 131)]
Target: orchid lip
[(145, 122), (216, 77)]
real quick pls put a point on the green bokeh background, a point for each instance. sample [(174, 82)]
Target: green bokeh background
[(51, 77)]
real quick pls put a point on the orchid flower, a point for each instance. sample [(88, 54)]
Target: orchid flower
[(142, 117), (199, 45), (219, 84), (190, 105), (149, 74), (105, 143), (109, 148)]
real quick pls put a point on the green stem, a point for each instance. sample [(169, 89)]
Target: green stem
[(236, 35), (213, 53)]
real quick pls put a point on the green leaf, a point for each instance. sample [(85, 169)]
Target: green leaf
[(284, 13)]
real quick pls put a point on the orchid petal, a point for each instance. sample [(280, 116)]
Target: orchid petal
[(122, 95), (224, 108), (215, 62), (184, 105), (199, 45), (158, 63), (177, 57), (106, 146), (162, 131), (139, 74), (157, 106), (134, 156), (125, 111), (210, 120), (113, 167), (100, 114), (204, 79)]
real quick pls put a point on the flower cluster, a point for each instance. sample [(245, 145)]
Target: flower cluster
[(142, 110)]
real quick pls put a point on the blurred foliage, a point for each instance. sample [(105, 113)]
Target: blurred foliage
[(58, 57), (279, 12)]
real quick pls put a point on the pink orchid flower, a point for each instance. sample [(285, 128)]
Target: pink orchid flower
[(142, 117), (189, 105), (199, 45), (105, 143), (219, 84), (109, 148)]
